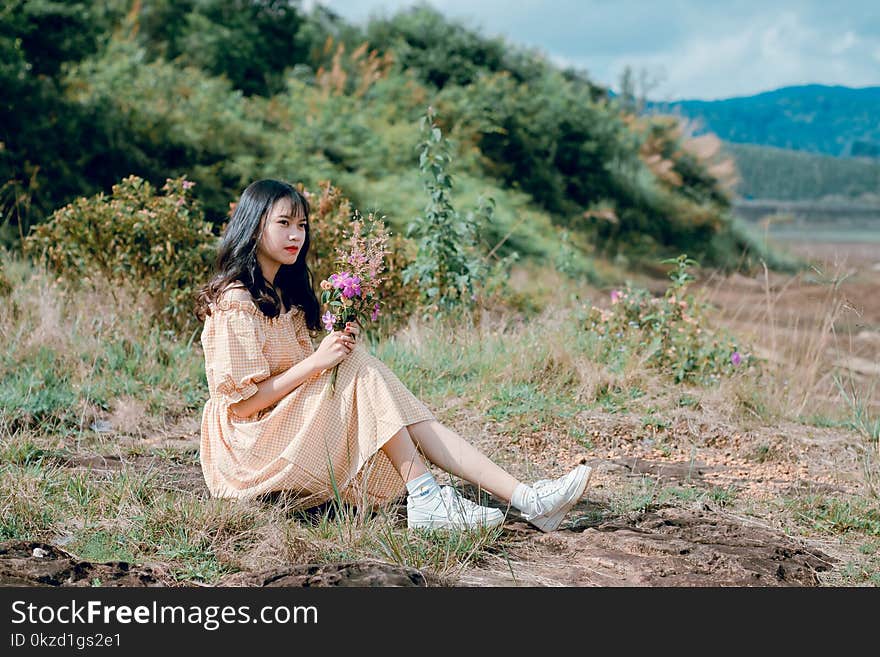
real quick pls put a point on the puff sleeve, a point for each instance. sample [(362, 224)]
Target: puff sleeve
[(238, 362)]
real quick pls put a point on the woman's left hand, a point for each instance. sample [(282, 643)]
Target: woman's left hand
[(353, 329)]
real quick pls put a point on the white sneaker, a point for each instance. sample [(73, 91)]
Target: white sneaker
[(556, 496), (449, 510)]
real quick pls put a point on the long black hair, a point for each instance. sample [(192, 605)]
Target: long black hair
[(237, 256)]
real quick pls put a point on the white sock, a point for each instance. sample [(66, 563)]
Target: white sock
[(422, 487), (525, 500)]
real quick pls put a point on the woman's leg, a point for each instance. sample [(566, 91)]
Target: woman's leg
[(446, 449), (544, 504), (404, 456)]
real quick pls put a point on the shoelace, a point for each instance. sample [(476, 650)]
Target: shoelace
[(545, 488), (456, 503)]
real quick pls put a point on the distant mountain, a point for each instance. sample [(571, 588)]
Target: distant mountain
[(839, 121), (786, 175)]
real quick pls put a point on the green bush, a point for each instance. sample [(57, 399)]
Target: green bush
[(672, 330), (159, 242), (447, 267)]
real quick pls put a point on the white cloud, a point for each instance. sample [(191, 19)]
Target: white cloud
[(779, 51), (847, 41), (698, 49)]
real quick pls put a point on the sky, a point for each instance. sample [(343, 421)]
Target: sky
[(684, 49)]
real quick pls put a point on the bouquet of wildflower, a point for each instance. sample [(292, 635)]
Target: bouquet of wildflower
[(352, 294)]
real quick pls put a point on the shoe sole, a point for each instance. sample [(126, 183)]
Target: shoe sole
[(445, 523), (551, 523)]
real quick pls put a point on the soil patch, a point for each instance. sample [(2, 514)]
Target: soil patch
[(665, 547)]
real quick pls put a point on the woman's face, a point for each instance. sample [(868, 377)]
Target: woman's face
[(282, 239)]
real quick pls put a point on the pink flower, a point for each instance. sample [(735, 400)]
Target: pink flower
[(615, 296), (345, 280), (188, 184), (736, 358), (329, 319), (351, 287)]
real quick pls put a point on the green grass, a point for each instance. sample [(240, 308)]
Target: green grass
[(58, 365), (27, 510), (689, 401), (858, 404), (614, 399), (100, 545), (37, 387), (524, 406), (349, 535), (836, 515), (647, 494), (581, 436)]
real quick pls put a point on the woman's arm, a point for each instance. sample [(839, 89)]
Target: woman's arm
[(271, 390), (333, 348)]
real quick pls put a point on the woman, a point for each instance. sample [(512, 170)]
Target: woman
[(267, 425)]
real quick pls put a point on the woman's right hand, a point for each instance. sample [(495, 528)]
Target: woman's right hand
[(333, 349)]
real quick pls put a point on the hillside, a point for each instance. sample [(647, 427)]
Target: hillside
[(774, 173), (161, 90), (836, 120)]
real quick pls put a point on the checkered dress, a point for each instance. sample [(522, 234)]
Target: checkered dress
[(307, 442)]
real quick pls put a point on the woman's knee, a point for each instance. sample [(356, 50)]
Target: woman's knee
[(417, 427)]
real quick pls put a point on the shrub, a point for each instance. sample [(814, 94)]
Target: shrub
[(158, 242), (447, 266), (672, 330)]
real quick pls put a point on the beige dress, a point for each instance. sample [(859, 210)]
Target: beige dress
[(308, 442)]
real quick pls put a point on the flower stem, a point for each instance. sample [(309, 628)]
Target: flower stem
[(333, 376)]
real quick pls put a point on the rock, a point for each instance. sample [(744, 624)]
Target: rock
[(29, 563), (360, 573), (682, 470), (101, 426)]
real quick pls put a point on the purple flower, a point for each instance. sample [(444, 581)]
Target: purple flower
[(375, 315), (351, 287), (329, 319), (340, 280), (736, 358)]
